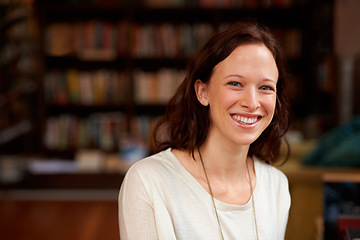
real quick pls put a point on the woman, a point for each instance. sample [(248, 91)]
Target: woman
[(214, 177)]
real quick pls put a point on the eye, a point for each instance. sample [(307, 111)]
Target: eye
[(267, 88), (234, 84)]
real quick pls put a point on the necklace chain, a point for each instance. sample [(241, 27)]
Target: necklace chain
[(213, 201), (252, 201)]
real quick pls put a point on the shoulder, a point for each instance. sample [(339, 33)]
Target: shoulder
[(152, 166), (273, 183), (152, 176), (270, 173)]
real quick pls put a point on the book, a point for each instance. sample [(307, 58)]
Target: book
[(99, 130), (168, 40), (86, 88), (59, 39), (73, 88), (95, 87), (156, 87)]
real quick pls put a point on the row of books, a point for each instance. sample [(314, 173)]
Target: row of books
[(105, 131), (97, 40), (156, 87), (225, 3), (77, 87), (101, 87), (101, 40), (100, 130), (141, 130), (88, 40), (169, 40)]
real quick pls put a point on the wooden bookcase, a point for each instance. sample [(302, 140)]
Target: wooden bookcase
[(109, 67), (105, 65)]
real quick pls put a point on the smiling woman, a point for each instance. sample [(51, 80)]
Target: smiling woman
[(245, 95), (213, 177)]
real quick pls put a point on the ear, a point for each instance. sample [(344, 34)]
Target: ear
[(201, 92)]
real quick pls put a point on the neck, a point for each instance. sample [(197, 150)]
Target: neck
[(212, 193), (225, 162)]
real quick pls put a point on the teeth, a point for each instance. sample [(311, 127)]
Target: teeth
[(245, 120)]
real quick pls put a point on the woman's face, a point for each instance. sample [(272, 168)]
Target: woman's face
[(241, 95)]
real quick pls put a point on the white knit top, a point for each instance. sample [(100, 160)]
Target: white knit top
[(160, 199)]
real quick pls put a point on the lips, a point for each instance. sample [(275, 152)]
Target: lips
[(245, 120)]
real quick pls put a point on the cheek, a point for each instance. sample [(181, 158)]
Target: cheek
[(270, 104), (220, 105), (220, 98), (228, 99)]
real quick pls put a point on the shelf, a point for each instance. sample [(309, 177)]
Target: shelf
[(71, 181), (79, 12), (53, 109), (157, 63), (150, 109), (285, 16), (152, 47), (119, 63), (149, 44), (64, 62)]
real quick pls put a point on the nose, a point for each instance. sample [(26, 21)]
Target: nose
[(250, 99)]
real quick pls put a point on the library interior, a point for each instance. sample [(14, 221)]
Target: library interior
[(83, 82)]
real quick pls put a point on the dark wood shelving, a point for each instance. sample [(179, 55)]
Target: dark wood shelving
[(298, 18), (136, 16), (103, 180), (61, 62), (53, 109)]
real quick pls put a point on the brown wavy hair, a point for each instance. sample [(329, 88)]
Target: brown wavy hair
[(186, 122)]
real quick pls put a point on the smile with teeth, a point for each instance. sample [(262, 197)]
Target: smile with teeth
[(245, 120)]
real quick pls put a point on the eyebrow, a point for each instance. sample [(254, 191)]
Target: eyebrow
[(234, 75), (241, 76), (270, 80)]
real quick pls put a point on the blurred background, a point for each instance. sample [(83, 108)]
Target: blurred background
[(82, 83)]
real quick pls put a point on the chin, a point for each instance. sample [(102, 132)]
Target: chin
[(245, 141)]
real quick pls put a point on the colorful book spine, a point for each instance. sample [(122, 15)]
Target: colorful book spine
[(168, 40), (156, 87), (99, 130), (88, 40), (74, 87), (105, 131)]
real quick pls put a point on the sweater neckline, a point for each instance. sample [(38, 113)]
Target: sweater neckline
[(203, 194)]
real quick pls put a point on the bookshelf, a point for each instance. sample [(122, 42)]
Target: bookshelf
[(19, 74), (109, 67)]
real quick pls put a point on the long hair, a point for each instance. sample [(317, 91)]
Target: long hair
[(186, 122)]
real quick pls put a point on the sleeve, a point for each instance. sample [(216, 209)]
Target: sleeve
[(285, 206), (136, 212)]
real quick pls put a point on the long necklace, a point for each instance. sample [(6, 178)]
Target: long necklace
[(213, 201)]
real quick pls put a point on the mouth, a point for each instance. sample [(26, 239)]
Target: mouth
[(244, 120)]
